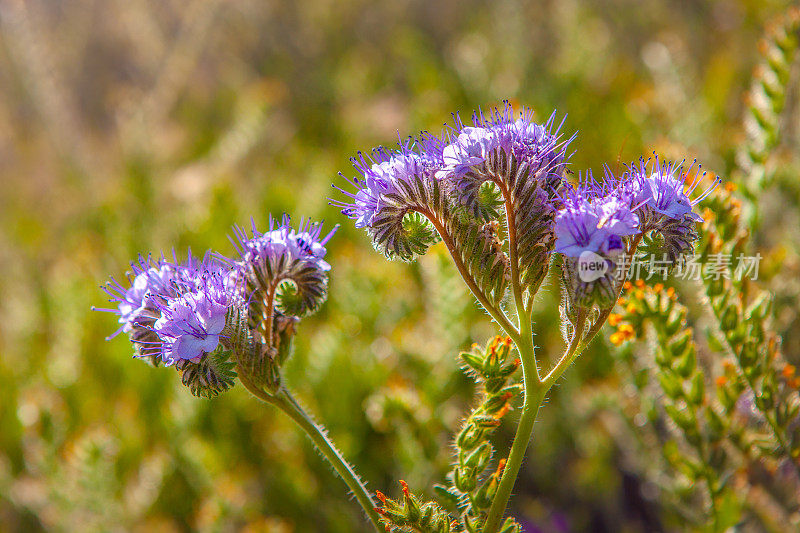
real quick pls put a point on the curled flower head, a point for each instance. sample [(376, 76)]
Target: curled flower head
[(661, 195), (282, 243), (284, 267), (386, 176), (507, 159), (393, 186), (171, 312)]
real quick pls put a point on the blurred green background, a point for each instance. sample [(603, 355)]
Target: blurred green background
[(131, 126)]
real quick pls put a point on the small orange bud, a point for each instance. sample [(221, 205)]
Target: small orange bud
[(638, 294), (627, 285), (405, 489), (617, 338), (614, 319), (658, 287), (503, 411), (381, 497), (640, 283), (794, 383), (501, 464), (631, 309), (621, 301), (788, 371), (671, 292), (730, 186), (721, 381), (626, 329)]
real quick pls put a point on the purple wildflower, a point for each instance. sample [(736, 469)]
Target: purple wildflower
[(152, 285), (386, 177), (615, 214), (594, 219), (471, 147), (149, 280), (662, 187), (536, 145), (283, 243), (280, 255), (192, 324)]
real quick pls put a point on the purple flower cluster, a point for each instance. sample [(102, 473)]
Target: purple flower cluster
[(155, 309), (661, 186), (178, 311), (281, 242), (596, 216), (532, 144), (151, 284), (387, 175), (191, 325), (593, 221), (441, 177)]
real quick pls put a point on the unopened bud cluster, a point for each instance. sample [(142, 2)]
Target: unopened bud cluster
[(469, 491), (409, 514), (493, 367), (705, 428)]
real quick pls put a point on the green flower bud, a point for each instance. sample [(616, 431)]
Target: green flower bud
[(697, 389), (670, 385)]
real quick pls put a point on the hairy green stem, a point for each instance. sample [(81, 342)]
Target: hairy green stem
[(523, 314), (575, 348), (284, 401), (534, 396), (535, 392)]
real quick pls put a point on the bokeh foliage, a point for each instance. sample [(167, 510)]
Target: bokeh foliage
[(132, 126)]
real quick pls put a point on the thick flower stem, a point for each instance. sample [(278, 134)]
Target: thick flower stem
[(284, 401), (534, 395), (535, 392)]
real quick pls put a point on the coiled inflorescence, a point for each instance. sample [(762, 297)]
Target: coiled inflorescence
[(454, 186), (285, 277), (451, 186), (205, 316)]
